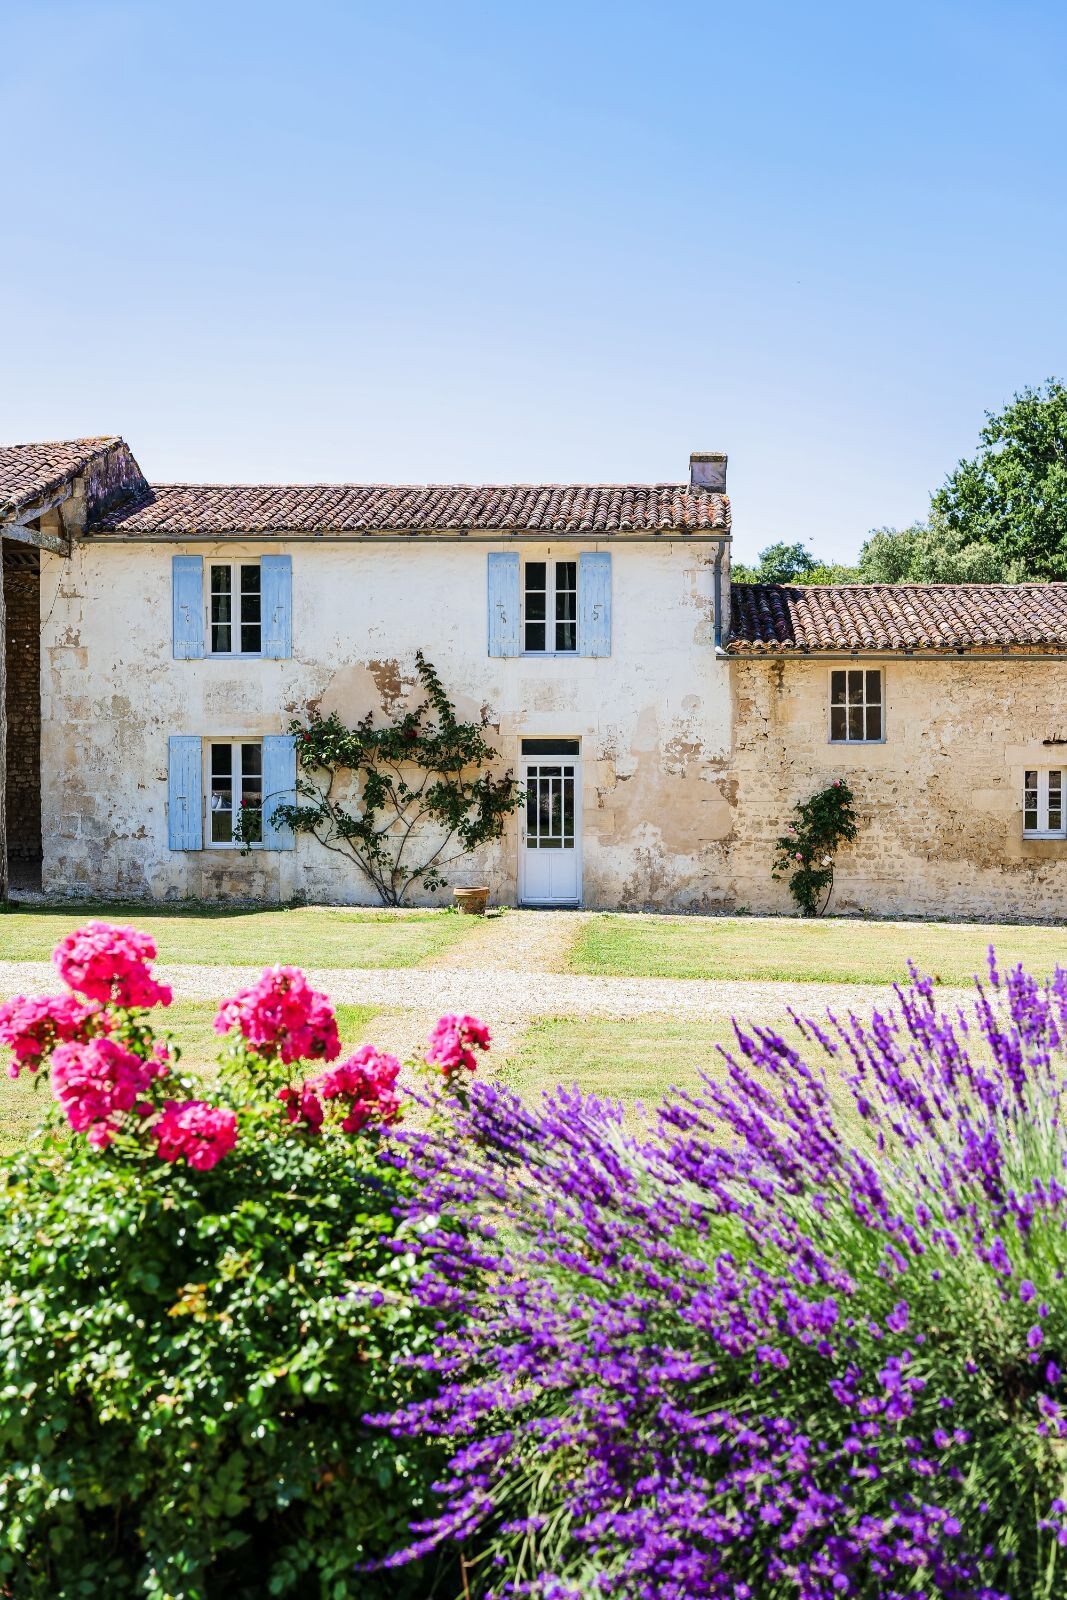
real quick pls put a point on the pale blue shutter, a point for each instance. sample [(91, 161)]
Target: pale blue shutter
[(185, 814), (504, 603), (279, 788), (276, 577), (187, 606), (594, 603)]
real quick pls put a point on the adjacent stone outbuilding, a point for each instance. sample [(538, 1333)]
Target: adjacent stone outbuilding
[(944, 706)]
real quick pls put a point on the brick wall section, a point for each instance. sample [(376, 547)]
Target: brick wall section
[(22, 593), (939, 803)]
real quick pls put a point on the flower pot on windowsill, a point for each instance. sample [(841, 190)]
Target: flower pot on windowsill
[(471, 901)]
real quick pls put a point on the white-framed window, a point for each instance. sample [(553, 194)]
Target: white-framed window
[(235, 791), (857, 714), (235, 608), (550, 607), (1043, 796)]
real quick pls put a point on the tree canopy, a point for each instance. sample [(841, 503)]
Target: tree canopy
[(999, 517)]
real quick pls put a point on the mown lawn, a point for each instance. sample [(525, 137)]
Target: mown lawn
[(632, 1060), (25, 1102), (307, 936), (833, 951)]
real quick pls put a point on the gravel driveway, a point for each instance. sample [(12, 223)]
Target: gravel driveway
[(500, 995)]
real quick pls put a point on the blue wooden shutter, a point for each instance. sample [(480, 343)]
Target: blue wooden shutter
[(276, 574), (279, 788), (185, 812), (594, 603), (187, 606), (504, 603)]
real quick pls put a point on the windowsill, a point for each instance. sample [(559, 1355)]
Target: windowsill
[(855, 744), (1047, 838), (550, 655), (236, 655)]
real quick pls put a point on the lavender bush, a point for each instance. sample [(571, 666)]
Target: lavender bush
[(801, 1339)]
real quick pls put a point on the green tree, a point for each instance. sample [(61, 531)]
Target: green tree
[(934, 552), (779, 563), (1012, 495)]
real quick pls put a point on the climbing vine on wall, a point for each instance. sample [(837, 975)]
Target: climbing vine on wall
[(807, 848), (404, 800)]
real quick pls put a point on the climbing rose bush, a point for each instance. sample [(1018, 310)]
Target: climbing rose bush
[(203, 1293), (803, 1336)]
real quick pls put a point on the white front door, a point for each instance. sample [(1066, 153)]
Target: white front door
[(550, 863)]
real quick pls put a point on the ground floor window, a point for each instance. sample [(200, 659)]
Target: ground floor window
[(236, 792), (856, 706), (1043, 791)]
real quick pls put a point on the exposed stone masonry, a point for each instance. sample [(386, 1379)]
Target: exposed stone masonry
[(22, 590)]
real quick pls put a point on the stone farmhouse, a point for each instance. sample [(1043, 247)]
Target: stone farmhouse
[(160, 638)]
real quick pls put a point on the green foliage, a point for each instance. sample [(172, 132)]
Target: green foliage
[(933, 552), (424, 794), (1012, 495), (806, 850), (187, 1356), (779, 563)]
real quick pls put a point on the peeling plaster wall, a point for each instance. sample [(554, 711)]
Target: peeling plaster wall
[(654, 718), (940, 802)]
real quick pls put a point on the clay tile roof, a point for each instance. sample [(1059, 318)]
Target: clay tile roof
[(232, 510), (30, 471), (786, 619)]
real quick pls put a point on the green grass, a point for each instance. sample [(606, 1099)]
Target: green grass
[(296, 936), (629, 1060), (833, 951), (25, 1101)]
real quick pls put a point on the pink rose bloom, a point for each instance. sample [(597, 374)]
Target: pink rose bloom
[(193, 1131), (110, 965), (283, 1018), (302, 1105), (33, 1028), (96, 1083), (453, 1042), (365, 1084)]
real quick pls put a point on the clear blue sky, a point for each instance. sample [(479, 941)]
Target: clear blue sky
[(563, 241)]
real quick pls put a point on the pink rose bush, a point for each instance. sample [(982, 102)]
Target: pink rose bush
[(453, 1043), (195, 1132), (111, 965), (97, 1083), (283, 1019), (33, 1028), (107, 1068)]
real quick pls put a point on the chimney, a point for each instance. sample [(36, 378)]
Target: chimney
[(707, 470)]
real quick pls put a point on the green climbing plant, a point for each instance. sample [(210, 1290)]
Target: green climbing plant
[(807, 848), (403, 800)]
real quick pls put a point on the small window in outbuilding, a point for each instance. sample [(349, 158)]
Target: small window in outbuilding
[(1043, 814), (856, 710)]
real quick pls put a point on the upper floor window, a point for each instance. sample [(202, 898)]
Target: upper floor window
[(236, 608), (856, 706), (1043, 814), (550, 607)]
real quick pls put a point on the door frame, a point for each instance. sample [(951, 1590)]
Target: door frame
[(542, 760)]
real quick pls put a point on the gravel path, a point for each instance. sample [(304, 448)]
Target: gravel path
[(515, 941), (509, 996)]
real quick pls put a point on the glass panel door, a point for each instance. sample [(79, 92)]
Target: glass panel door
[(550, 866)]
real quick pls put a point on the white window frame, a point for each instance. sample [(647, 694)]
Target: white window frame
[(1040, 791), (550, 564), (235, 566), (863, 667), (236, 790)]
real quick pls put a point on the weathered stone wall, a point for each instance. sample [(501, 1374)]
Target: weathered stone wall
[(940, 802), (653, 718), (22, 592)]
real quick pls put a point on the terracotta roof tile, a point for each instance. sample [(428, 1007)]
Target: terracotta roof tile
[(786, 619), (229, 510), (28, 471)]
